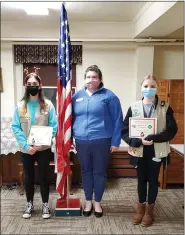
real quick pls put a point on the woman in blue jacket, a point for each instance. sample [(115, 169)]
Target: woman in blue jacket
[(97, 124)]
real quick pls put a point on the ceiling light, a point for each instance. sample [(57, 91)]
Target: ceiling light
[(33, 8), (34, 11), (13, 4)]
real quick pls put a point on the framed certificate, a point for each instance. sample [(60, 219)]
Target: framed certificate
[(40, 135), (140, 127)]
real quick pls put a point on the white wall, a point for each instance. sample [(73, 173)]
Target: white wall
[(8, 95), (169, 62), (144, 65), (79, 31), (19, 88)]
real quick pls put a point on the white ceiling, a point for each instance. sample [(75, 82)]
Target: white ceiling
[(79, 11), (170, 22)]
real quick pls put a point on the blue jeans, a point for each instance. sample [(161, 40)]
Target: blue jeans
[(93, 156)]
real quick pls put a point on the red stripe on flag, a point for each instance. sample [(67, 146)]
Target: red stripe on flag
[(67, 123), (63, 162)]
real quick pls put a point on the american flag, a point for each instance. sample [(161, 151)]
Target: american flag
[(64, 106)]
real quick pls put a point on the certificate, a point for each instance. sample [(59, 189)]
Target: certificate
[(40, 135), (140, 127)]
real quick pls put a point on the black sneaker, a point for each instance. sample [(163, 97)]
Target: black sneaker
[(46, 214), (28, 211)]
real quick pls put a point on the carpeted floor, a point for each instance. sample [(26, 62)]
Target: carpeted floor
[(119, 206)]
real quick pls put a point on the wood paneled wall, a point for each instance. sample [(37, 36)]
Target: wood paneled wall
[(172, 91)]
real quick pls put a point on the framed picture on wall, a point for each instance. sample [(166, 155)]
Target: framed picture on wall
[(1, 80)]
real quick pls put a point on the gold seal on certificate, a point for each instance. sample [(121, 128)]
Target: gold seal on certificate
[(140, 127), (40, 135)]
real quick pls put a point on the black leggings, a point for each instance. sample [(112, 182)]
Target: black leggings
[(43, 159), (147, 172)]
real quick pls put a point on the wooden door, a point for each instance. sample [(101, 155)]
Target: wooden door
[(176, 101), (172, 91), (163, 90)]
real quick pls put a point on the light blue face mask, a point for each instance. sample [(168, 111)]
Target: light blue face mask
[(149, 92)]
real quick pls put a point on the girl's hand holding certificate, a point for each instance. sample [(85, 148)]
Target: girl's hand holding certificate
[(146, 142)]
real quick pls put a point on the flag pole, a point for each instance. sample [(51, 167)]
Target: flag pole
[(67, 196), (68, 189), (65, 206)]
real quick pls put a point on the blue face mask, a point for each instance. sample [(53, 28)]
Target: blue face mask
[(149, 92)]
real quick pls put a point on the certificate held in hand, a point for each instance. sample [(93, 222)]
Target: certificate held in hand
[(40, 135), (140, 127)]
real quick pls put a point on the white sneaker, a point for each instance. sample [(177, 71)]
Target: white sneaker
[(46, 214), (28, 211)]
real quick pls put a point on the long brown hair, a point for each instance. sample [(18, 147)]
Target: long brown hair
[(40, 93)]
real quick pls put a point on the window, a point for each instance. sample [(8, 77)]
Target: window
[(50, 93), (48, 74)]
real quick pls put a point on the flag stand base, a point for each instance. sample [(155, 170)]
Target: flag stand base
[(68, 207)]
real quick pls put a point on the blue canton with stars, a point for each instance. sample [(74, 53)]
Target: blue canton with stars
[(64, 49)]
